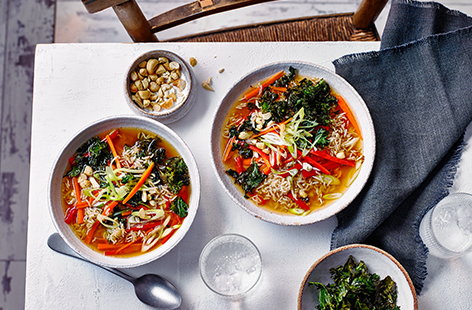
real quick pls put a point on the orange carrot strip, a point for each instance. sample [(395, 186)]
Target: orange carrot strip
[(279, 89), (81, 205), (131, 249), (113, 151), (75, 183), (228, 147), (255, 91), (80, 215), (345, 108), (140, 183), (109, 208), (91, 233)]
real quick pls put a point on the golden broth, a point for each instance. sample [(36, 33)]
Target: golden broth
[(345, 174), (127, 136)]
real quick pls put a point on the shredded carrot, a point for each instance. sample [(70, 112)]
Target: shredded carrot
[(133, 248), (75, 183), (81, 205), (91, 233), (279, 89), (228, 147), (80, 215), (255, 91), (352, 119), (109, 208), (113, 151), (140, 183)]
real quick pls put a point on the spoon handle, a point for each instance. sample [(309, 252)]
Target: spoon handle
[(56, 243)]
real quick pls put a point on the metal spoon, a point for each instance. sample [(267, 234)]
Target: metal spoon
[(151, 289)]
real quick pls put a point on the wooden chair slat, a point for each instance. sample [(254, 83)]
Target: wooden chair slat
[(94, 6), (194, 10)]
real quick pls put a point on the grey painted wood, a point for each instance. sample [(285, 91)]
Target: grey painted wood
[(23, 24)]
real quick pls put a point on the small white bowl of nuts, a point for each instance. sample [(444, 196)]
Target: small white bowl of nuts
[(159, 84)]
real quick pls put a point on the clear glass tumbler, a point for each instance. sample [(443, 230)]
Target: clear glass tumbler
[(230, 265), (447, 228)]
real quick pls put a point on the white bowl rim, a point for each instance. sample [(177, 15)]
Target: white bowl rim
[(351, 246), (361, 179), (139, 260)]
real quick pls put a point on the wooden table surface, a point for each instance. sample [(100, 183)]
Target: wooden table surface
[(76, 84)]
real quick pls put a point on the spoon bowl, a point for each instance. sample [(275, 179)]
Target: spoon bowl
[(151, 289)]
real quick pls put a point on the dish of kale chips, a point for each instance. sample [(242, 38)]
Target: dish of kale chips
[(355, 288)]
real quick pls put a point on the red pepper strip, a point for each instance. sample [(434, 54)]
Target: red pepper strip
[(72, 160), (308, 174), (174, 219), (145, 226), (239, 164), (331, 165), (164, 240), (297, 166), (299, 202), (263, 155), (71, 215), (325, 155), (317, 165)]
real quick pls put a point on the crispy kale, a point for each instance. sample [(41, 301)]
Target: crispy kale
[(243, 149), (179, 207), (175, 174), (93, 153), (315, 99), (286, 79), (249, 179), (150, 147), (355, 288)]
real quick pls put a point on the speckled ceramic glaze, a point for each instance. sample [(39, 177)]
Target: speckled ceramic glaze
[(55, 199), (376, 260), (357, 106), (179, 110)]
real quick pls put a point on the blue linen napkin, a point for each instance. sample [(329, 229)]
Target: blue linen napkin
[(418, 91)]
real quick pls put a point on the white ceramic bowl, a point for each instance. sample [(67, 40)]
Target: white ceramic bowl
[(179, 110), (55, 199), (376, 260), (341, 87)]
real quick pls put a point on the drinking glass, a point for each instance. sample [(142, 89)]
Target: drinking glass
[(447, 228), (230, 265)]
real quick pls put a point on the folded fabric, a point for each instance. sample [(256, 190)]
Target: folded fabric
[(417, 89)]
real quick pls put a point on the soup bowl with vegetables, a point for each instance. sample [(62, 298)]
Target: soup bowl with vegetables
[(124, 191), (293, 143)]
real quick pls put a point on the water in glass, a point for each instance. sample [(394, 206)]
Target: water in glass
[(447, 228)]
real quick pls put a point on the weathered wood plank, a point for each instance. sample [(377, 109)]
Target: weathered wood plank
[(23, 24), (12, 283)]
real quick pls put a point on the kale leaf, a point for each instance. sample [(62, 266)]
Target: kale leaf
[(93, 153), (355, 288), (179, 207), (149, 147), (249, 179), (286, 79), (315, 99), (175, 174)]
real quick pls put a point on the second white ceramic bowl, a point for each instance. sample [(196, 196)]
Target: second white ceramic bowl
[(340, 86)]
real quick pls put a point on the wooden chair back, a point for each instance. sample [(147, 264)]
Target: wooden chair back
[(142, 30)]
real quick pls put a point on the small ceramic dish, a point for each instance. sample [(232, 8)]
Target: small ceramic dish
[(376, 260), (174, 102), (56, 201), (357, 106)]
